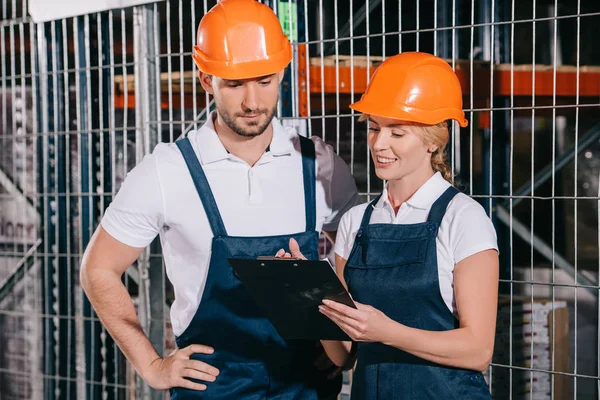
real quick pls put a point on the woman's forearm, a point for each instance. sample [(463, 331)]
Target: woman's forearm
[(456, 347)]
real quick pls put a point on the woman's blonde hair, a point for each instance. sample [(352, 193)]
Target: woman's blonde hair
[(432, 135)]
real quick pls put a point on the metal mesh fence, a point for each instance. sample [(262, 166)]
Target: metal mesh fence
[(83, 99)]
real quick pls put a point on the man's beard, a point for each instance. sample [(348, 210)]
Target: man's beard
[(255, 128)]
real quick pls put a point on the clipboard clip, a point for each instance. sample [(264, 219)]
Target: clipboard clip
[(270, 258)]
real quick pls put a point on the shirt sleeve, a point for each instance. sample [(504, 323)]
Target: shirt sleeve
[(136, 215), (340, 185), (472, 231), (344, 238)]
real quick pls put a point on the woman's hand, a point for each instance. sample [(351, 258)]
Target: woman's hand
[(362, 324)]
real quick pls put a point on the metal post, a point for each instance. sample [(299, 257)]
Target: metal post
[(444, 37), (443, 49), (502, 123), (288, 84), (88, 204), (147, 83), (111, 358), (59, 331), (47, 300), (494, 179)]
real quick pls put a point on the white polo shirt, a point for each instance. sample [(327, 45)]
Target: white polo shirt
[(159, 197), (465, 229)]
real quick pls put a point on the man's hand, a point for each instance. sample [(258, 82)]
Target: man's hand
[(325, 366), (172, 371), (294, 251)]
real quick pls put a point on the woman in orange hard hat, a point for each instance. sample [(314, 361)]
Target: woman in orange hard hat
[(421, 259)]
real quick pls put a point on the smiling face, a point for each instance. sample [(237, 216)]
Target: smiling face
[(398, 151), (246, 106)]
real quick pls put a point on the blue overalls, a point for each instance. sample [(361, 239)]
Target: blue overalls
[(254, 361), (394, 269)]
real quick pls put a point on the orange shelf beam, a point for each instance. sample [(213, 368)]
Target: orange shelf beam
[(521, 80), (518, 82)]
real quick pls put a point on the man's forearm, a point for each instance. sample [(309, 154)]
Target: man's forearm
[(331, 235), (339, 353), (114, 307)]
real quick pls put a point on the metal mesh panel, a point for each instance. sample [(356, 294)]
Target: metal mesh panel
[(20, 272), (82, 100)]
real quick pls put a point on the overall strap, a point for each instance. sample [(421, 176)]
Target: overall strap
[(367, 215), (441, 204), (307, 147), (202, 187)]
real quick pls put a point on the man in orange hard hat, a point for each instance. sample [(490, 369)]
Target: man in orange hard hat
[(242, 186)]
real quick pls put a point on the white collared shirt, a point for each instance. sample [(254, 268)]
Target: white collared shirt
[(465, 229), (159, 197)]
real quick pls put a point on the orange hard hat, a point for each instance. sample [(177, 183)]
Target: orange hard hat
[(415, 87), (239, 39)]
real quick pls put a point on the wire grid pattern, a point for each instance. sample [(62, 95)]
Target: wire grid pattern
[(84, 99), (21, 346)]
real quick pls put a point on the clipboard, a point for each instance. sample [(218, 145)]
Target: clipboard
[(289, 292)]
